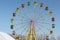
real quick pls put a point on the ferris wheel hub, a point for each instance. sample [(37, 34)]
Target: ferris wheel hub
[(32, 21)]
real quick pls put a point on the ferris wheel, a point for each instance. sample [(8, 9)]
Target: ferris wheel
[(39, 13)]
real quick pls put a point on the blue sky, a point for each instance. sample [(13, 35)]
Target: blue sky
[(7, 7)]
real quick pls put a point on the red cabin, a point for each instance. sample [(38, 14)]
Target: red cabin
[(23, 6), (53, 19), (41, 4), (47, 38), (14, 14), (13, 33)]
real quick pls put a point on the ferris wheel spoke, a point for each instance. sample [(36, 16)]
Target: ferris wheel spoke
[(38, 27), (39, 30), (26, 31), (23, 30), (43, 22), (43, 32), (44, 14), (19, 27), (20, 23), (44, 19)]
